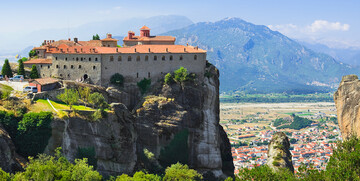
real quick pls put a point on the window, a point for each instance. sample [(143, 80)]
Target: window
[(79, 66), (81, 59), (108, 45), (155, 57), (181, 57), (138, 58), (72, 66), (60, 75), (89, 58), (57, 66), (171, 57), (163, 58), (68, 75), (43, 75), (146, 58), (195, 57), (77, 58), (64, 66), (95, 59), (129, 58), (40, 66), (48, 66), (137, 75), (148, 74), (66, 58), (94, 67), (119, 58), (55, 58), (111, 58)]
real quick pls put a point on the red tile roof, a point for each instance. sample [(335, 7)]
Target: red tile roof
[(144, 28), (38, 61), (150, 38), (45, 81)]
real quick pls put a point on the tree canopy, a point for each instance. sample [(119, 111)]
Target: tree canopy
[(96, 37), (6, 69), (34, 73), (21, 69)]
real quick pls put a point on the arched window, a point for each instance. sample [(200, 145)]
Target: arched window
[(72, 66), (119, 58), (55, 58), (195, 57), (48, 66), (155, 57), (146, 58), (79, 66), (94, 67), (77, 58), (64, 66), (57, 66), (163, 58), (95, 59), (60, 75), (181, 57), (40, 66), (171, 57), (129, 58), (138, 58), (111, 58), (81, 59), (66, 58), (89, 58), (68, 75)]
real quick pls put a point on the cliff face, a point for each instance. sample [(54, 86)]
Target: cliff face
[(9, 160), (175, 123), (279, 155), (347, 106)]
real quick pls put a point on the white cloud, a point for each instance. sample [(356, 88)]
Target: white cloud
[(322, 25)]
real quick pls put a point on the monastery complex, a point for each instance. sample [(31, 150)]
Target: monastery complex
[(95, 61)]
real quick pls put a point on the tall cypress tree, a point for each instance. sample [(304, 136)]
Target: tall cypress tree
[(34, 73), (21, 69), (6, 69)]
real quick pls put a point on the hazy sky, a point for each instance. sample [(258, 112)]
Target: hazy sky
[(333, 22)]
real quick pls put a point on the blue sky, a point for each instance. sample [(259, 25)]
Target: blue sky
[(335, 23)]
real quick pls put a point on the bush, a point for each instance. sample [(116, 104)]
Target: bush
[(69, 97), (4, 176), (181, 75), (117, 79), (33, 133), (10, 123), (32, 53), (98, 100), (88, 153), (144, 85), (181, 172), (168, 79)]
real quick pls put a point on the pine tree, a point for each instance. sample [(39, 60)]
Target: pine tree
[(21, 69), (6, 69), (34, 73)]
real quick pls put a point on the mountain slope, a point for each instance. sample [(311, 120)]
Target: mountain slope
[(254, 58)]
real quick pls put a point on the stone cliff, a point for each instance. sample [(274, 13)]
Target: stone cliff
[(279, 155), (172, 123), (347, 99), (9, 160)]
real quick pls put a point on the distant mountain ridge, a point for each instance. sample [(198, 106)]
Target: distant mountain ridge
[(255, 59)]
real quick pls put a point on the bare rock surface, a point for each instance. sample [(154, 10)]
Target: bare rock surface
[(279, 155), (347, 101), (9, 160)]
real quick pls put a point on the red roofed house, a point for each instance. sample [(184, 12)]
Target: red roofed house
[(45, 84)]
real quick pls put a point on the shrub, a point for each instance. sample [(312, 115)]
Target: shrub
[(168, 79), (69, 97), (117, 79), (181, 75), (176, 150), (98, 100), (144, 85), (32, 53), (88, 153), (33, 133), (181, 172), (10, 123), (4, 176)]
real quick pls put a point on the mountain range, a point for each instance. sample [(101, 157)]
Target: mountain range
[(255, 59)]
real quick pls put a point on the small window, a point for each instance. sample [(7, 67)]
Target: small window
[(119, 58), (57, 66), (111, 58), (72, 66), (94, 67), (163, 58), (79, 66), (148, 74), (68, 75), (48, 66), (129, 58), (66, 58), (43, 75), (195, 57), (89, 58), (81, 59), (171, 57), (77, 58), (60, 75), (108, 45), (55, 58), (181, 57), (64, 66), (95, 59), (146, 58), (40, 66), (155, 57), (138, 58), (137, 75)]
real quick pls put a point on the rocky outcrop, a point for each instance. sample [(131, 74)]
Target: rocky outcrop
[(347, 101), (112, 138), (9, 160), (189, 111), (279, 155)]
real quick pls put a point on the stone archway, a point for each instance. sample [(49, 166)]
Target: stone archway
[(85, 76)]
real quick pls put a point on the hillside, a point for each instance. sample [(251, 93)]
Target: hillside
[(253, 58)]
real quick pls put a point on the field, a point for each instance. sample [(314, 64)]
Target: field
[(251, 118)]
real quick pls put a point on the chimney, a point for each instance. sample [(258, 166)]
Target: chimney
[(187, 44), (167, 50), (76, 40), (130, 35), (117, 49), (135, 49), (81, 50), (184, 49), (69, 39), (149, 49)]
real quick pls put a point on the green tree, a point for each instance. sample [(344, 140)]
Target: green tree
[(117, 79), (69, 97), (181, 172), (21, 69), (34, 73), (84, 94), (181, 75), (96, 37), (32, 53), (168, 79), (144, 85), (6, 69), (4, 176), (98, 100)]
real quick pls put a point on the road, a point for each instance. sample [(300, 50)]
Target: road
[(19, 86)]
